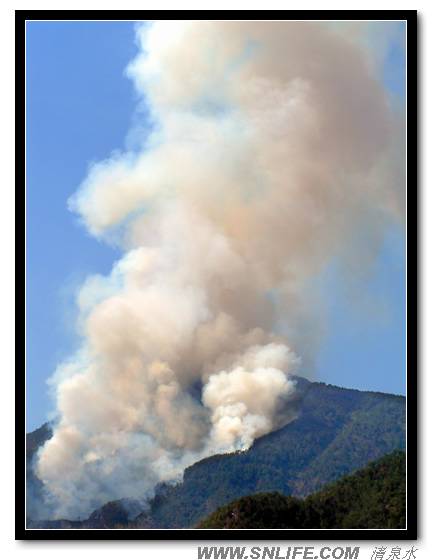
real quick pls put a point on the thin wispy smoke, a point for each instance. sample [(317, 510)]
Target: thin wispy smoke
[(274, 144)]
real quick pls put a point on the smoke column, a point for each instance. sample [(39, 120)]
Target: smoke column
[(273, 148)]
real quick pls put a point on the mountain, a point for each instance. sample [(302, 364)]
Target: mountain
[(36, 439), (337, 431), (34, 487), (371, 498)]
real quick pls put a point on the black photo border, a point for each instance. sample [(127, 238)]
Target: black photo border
[(411, 530)]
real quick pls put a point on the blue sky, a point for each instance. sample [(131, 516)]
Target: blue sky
[(80, 107)]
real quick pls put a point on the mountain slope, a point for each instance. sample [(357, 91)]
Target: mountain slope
[(337, 431), (373, 497), (34, 487)]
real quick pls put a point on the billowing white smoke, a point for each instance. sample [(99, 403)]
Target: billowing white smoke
[(273, 146)]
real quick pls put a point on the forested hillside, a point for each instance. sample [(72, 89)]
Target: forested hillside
[(337, 432), (373, 497)]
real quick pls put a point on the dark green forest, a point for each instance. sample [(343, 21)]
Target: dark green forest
[(373, 497), (337, 432)]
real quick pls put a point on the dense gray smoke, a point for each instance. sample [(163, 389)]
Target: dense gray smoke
[(273, 147)]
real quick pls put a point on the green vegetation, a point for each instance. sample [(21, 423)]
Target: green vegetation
[(337, 431), (373, 497)]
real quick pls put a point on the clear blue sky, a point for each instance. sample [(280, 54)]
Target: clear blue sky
[(80, 107)]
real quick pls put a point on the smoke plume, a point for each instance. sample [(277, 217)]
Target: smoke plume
[(273, 147)]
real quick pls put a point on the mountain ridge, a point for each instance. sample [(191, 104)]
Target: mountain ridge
[(372, 497), (337, 431)]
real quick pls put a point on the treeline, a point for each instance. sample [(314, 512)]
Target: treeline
[(373, 498)]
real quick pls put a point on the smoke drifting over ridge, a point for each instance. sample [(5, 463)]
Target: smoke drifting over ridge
[(273, 146)]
